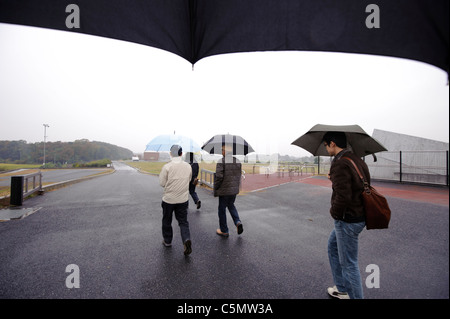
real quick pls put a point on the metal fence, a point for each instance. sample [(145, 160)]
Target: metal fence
[(21, 187), (425, 167), (207, 177)]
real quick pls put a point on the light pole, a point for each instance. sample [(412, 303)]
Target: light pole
[(45, 136)]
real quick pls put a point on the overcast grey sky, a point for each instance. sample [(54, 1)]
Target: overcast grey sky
[(126, 94)]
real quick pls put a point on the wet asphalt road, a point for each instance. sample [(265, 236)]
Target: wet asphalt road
[(59, 175), (110, 227)]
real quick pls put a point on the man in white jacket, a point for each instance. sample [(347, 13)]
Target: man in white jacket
[(175, 177)]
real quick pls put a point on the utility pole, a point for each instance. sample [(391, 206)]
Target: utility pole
[(45, 137)]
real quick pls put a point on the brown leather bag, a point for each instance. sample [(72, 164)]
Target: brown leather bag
[(378, 213)]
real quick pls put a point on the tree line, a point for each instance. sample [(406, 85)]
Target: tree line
[(60, 153)]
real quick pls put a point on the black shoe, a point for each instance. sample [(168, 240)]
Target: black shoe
[(199, 204), (166, 244), (187, 247), (240, 228)]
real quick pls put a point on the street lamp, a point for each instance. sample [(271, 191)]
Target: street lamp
[(45, 136)]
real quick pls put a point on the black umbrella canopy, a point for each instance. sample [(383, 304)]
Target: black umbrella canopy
[(358, 140), (235, 142), (194, 29)]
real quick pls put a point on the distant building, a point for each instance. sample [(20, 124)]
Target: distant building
[(409, 159), (156, 156), (402, 142), (151, 156)]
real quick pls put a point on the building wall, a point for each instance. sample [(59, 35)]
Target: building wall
[(151, 156), (409, 158), (402, 142)]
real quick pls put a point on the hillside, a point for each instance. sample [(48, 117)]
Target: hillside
[(79, 151)]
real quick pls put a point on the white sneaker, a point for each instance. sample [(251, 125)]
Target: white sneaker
[(166, 244), (333, 292)]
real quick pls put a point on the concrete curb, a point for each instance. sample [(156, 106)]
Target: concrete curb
[(73, 181), (4, 201)]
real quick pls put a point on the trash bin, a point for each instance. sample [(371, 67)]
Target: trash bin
[(16, 197)]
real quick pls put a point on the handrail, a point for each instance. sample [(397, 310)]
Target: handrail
[(209, 177), (20, 187), (35, 188), (292, 169)]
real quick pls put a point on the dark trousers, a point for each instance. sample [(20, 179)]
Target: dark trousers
[(224, 203), (193, 193), (181, 211)]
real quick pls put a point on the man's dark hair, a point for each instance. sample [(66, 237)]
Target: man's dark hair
[(337, 137)]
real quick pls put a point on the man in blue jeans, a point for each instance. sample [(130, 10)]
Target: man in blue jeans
[(347, 210), (226, 186)]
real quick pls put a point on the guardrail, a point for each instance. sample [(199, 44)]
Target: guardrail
[(282, 169), (20, 187), (291, 170), (207, 177)]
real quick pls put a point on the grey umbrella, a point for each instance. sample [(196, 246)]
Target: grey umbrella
[(358, 140), (239, 145)]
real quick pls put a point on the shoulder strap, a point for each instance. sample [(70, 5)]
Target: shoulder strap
[(366, 185), (354, 165)]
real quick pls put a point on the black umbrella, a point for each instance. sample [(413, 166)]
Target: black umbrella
[(194, 29), (239, 145), (358, 140)]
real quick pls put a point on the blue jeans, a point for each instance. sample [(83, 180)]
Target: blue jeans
[(343, 257), (224, 203)]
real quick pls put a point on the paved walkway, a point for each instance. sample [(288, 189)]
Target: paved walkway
[(257, 182), (110, 228), (422, 193)]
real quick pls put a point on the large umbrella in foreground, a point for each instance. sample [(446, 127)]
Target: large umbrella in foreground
[(240, 145), (163, 143), (194, 29), (361, 143)]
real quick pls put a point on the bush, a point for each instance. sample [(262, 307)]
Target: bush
[(50, 165), (99, 163)]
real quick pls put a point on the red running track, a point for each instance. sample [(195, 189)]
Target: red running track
[(421, 193)]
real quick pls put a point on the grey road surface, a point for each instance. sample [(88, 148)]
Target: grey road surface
[(110, 229), (58, 175)]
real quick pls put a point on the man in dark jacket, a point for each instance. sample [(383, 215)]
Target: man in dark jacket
[(226, 187), (347, 210)]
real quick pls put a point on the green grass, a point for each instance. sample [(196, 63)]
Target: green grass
[(149, 167), (10, 167), (155, 167)]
